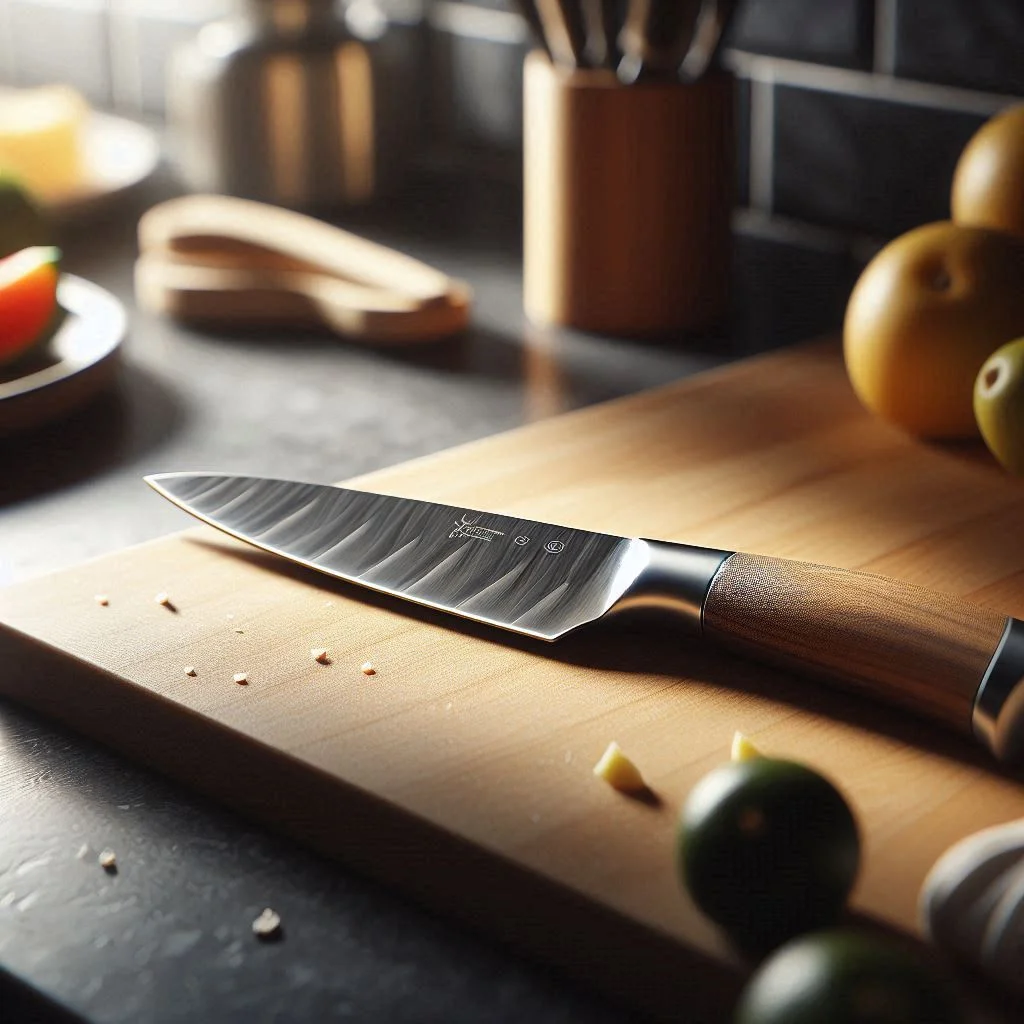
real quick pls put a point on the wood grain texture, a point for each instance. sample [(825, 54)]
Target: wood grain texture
[(461, 771), (896, 642)]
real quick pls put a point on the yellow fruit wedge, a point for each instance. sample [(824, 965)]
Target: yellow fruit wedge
[(40, 138), (619, 771), (742, 748)]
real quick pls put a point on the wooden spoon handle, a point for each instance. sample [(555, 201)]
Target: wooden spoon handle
[(191, 222), (930, 652)]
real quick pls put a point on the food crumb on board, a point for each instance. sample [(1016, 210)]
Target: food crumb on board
[(108, 861), (190, 670), (242, 678), (267, 925), (320, 654), (368, 669), (239, 630), (162, 598), (102, 599), (619, 771)]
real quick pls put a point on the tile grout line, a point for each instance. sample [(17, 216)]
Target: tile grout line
[(478, 22), (7, 68), (885, 37), (867, 84), (123, 60), (762, 144)]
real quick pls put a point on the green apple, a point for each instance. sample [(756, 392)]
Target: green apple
[(999, 404)]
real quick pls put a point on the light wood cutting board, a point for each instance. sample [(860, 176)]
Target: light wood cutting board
[(461, 771)]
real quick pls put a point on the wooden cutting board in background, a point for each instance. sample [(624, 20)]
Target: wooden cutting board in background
[(461, 771)]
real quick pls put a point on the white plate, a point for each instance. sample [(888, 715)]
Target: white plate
[(78, 362), (118, 154)]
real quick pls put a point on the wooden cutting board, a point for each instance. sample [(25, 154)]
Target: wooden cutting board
[(461, 770)]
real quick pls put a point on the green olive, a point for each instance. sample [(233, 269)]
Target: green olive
[(999, 404), (767, 849), (843, 976)]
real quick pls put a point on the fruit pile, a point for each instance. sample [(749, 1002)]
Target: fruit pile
[(29, 275), (769, 850), (934, 329)]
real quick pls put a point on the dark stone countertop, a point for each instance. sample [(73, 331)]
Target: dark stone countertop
[(167, 939)]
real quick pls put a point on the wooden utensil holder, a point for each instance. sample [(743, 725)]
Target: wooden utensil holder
[(628, 193)]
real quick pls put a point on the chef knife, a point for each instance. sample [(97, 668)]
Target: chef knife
[(935, 654)]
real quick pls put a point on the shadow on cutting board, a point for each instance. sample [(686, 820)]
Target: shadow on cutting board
[(632, 644)]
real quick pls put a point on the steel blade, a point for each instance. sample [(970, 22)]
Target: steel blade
[(531, 577)]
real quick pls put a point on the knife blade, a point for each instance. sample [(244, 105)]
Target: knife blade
[(937, 655)]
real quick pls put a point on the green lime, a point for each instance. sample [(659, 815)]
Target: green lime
[(845, 976), (767, 849), (22, 223)]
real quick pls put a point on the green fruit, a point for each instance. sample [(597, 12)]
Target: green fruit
[(22, 223), (999, 404), (767, 849), (846, 977)]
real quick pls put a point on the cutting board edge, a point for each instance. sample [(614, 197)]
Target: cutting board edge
[(651, 971), (682, 385)]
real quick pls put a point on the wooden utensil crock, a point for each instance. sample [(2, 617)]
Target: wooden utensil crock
[(627, 198)]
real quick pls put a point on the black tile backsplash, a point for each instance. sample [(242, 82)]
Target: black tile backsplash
[(976, 43), (860, 107), (864, 163), (839, 32)]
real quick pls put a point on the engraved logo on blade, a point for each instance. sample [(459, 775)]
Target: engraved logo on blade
[(468, 528)]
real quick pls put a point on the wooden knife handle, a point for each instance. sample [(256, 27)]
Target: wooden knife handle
[(927, 651)]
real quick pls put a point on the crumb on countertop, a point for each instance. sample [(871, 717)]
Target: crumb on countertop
[(368, 669), (108, 861), (319, 654), (267, 925), (190, 670), (242, 678), (102, 599)]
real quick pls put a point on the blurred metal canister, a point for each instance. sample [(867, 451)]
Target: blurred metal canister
[(303, 103)]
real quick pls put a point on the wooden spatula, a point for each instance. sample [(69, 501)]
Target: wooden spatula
[(235, 262), (267, 297)]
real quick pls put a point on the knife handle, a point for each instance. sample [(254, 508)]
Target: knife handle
[(936, 654)]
